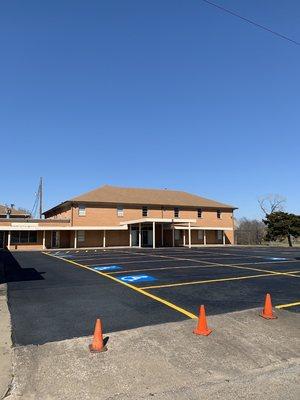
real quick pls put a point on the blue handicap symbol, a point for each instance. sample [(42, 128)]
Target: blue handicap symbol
[(108, 268), (278, 258), (136, 278)]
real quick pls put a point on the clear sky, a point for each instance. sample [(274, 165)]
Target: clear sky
[(161, 93)]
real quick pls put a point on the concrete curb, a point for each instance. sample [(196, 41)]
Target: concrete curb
[(6, 373)]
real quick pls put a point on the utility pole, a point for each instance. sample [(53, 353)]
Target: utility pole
[(41, 197)]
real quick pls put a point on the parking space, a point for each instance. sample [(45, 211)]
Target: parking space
[(223, 278), (58, 295)]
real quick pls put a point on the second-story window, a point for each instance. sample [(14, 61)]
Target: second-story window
[(199, 211), (81, 210), (120, 211), (176, 212), (145, 211), (219, 214)]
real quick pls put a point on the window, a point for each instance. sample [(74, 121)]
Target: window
[(81, 236), (176, 212), (200, 235), (120, 211), (23, 237), (32, 237), (145, 211), (199, 212), (177, 235), (81, 210), (15, 237), (218, 213), (219, 235)]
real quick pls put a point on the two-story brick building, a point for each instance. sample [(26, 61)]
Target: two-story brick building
[(114, 216)]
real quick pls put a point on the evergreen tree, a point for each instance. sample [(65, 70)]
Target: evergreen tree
[(281, 225)]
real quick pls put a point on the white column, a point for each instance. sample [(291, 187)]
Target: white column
[(183, 238), (75, 239), (204, 237), (104, 238), (173, 236), (190, 241), (153, 234), (162, 235), (224, 237), (8, 241), (44, 240), (130, 236), (140, 235)]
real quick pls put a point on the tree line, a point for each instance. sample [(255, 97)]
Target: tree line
[(276, 225)]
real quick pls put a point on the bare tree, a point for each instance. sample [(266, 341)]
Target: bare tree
[(271, 203), (250, 232)]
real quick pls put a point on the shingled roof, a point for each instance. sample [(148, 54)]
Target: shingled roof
[(14, 212), (162, 197)]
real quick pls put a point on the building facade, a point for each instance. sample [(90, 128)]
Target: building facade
[(112, 216)]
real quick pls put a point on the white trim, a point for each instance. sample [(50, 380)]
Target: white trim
[(8, 241), (153, 235), (140, 235), (75, 239), (217, 228), (64, 228), (104, 238), (167, 220), (190, 236), (44, 240)]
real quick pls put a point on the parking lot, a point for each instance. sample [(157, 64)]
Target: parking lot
[(224, 279), (59, 294)]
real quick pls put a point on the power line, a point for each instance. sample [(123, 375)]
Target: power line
[(251, 22)]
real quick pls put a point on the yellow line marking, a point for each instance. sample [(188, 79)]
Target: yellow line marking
[(207, 281), (288, 305), (139, 290), (159, 269), (225, 265)]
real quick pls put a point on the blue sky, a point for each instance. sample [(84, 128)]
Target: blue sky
[(162, 93)]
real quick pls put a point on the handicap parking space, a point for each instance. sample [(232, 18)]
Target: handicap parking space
[(195, 274), (189, 277)]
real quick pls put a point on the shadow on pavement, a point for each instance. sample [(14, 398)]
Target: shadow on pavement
[(11, 271)]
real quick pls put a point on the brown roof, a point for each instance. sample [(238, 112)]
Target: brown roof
[(13, 211), (163, 197)]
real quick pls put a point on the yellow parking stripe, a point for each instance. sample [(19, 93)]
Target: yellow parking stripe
[(236, 266), (139, 290), (288, 305), (210, 281), (159, 269)]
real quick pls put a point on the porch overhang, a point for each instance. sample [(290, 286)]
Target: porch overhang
[(158, 220), (33, 227), (205, 228)]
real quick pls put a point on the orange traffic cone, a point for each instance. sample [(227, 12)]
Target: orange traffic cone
[(97, 345), (268, 311), (202, 328)]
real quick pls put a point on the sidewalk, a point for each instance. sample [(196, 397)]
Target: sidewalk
[(5, 343), (246, 357)]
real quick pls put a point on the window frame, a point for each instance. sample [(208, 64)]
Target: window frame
[(199, 213), (219, 214), (26, 237), (120, 211), (80, 208), (81, 236), (145, 211), (176, 212), (200, 234)]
